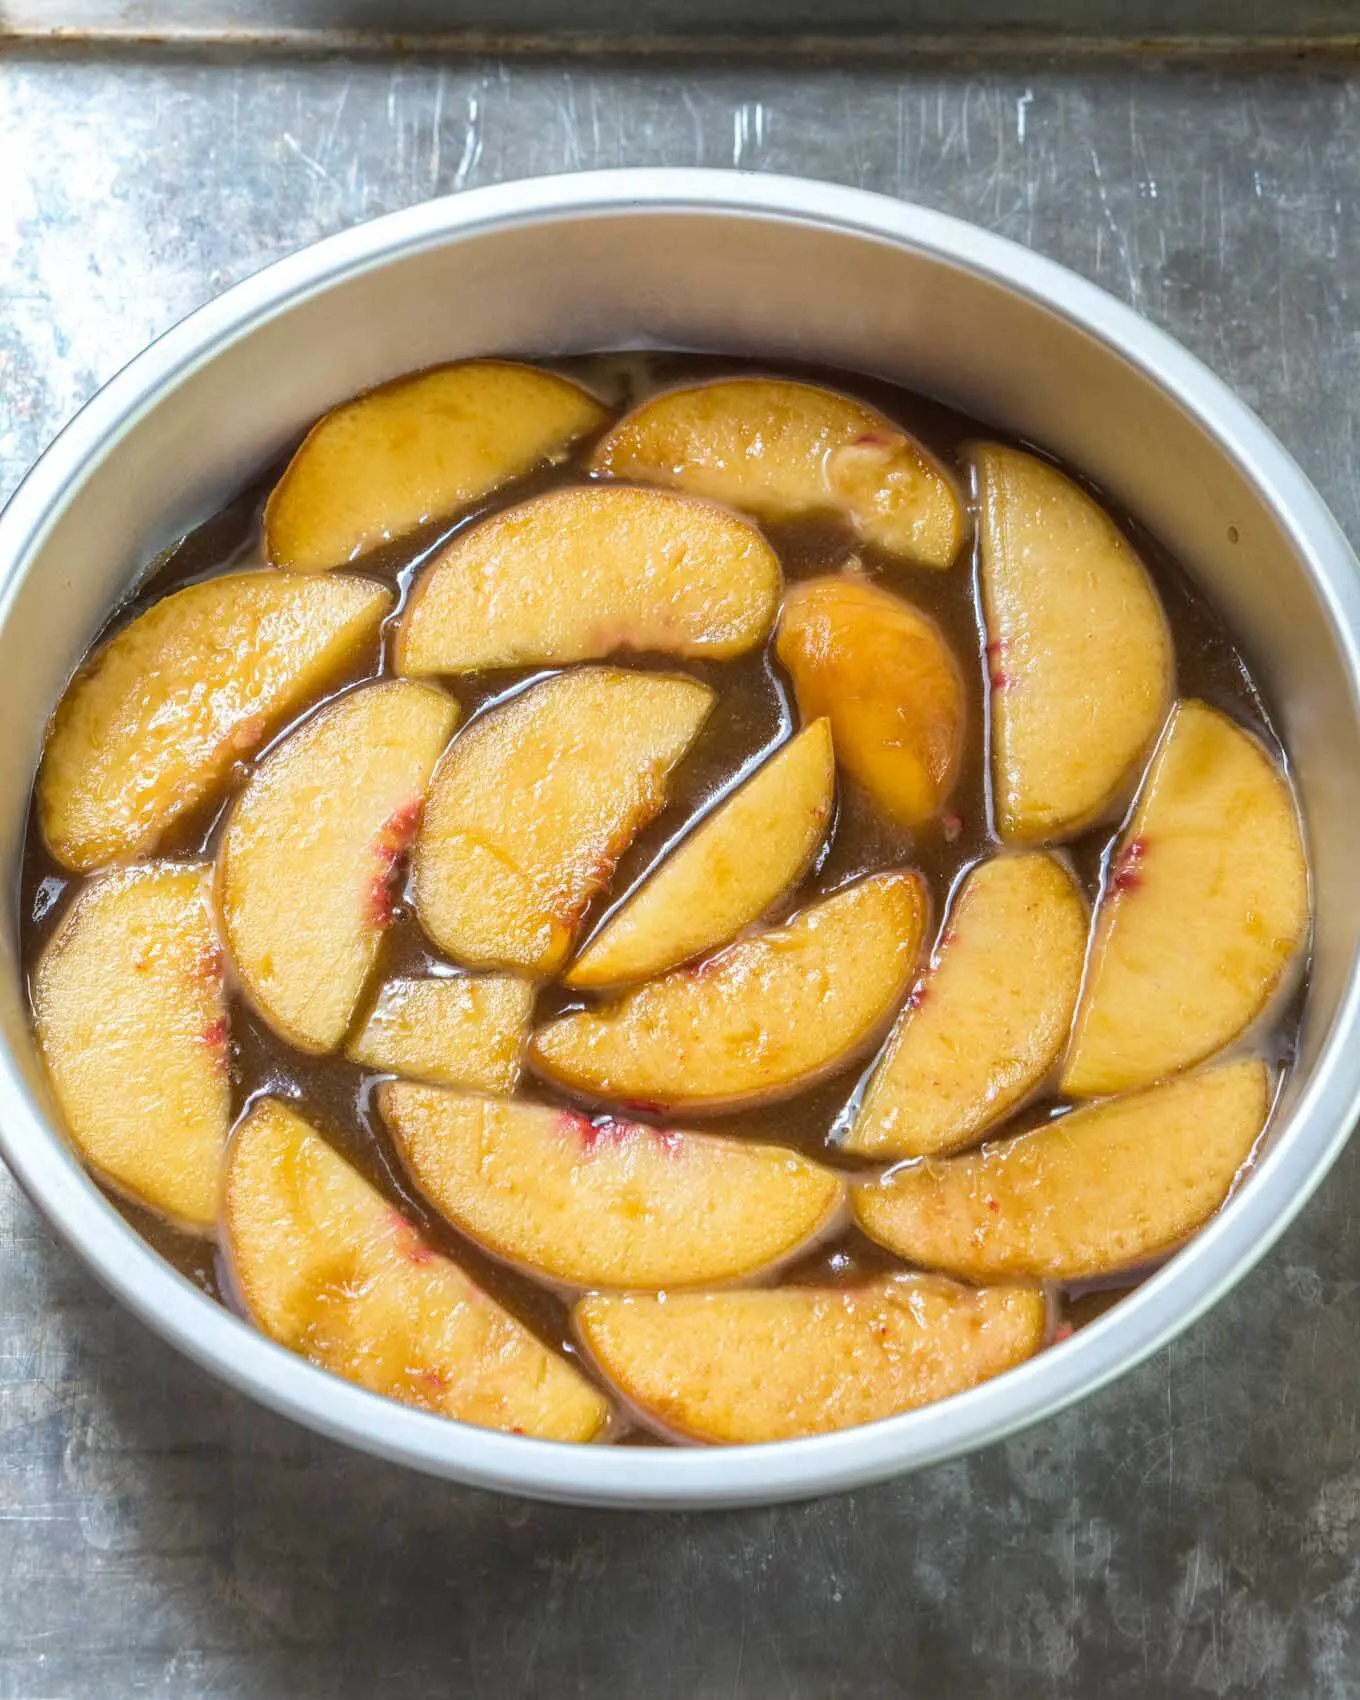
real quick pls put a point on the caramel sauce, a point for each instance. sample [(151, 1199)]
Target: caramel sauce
[(753, 714)]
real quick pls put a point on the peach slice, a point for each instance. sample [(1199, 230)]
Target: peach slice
[(1081, 660), (743, 1367), (152, 724), (764, 1018), (1101, 1189), (580, 574), (1205, 906), (418, 449), (463, 1030), (305, 866), (989, 1020), (607, 1203), (712, 886), (326, 1267), (883, 674), (782, 450), (132, 1023), (535, 803)]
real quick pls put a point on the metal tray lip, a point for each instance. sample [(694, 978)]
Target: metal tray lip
[(1220, 1255), (769, 29)]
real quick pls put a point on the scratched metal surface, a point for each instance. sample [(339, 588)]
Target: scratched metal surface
[(1194, 1531)]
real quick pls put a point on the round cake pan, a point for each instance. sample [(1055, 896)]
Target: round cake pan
[(766, 267)]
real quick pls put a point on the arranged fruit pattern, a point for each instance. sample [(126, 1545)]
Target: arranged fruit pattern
[(711, 886), (627, 920), (132, 1018), (154, 722), (577, 575), (534, 805), (1210, 876), (326, 1266), (882, 673), (792, 1361), (784, 450), (989, 1018), (418, 450), (1096, 1190), (452, 1030), (760, 1020), (1079, 659), (607, 1203), (305, 867)]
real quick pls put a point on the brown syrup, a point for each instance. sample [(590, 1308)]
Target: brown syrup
[(754, 712)]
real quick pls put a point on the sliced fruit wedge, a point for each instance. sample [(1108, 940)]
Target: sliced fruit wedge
[(761, 1020), (1205, 907), (1082, 666), (132, 1023), (607, 1203), (727, 873), (535, 803), (326, 1267), (418, 449), (1101, 1189), (459, 1030), (990, 1018), (744, 1367), (305, 867), (577, 575), (153, 723), (882, 673), (782, 450)]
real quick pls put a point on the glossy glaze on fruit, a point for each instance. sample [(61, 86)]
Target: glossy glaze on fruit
[(754, 711)]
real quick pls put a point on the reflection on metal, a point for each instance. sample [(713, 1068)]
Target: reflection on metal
[(803, 26)]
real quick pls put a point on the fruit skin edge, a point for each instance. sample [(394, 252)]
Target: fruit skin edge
[(632, 1414), (569, 1291), (868, 1046), (232, 1294), (1127, 1275)]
